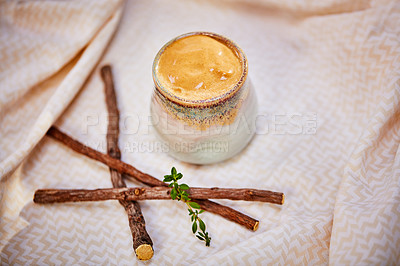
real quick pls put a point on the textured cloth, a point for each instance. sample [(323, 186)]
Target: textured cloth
[(327, 78)]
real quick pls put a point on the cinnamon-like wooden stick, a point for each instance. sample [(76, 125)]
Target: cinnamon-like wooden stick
[(154, 193), (128, 169), (142, 243)]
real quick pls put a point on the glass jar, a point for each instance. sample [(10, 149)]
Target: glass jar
[(210, 130)]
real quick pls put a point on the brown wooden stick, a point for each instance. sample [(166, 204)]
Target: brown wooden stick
[(142, 243), (127, 169), (154, 193)]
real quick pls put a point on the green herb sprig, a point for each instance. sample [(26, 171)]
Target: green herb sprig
[(179, 192)]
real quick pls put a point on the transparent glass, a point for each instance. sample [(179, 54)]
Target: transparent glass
[(205, 131)]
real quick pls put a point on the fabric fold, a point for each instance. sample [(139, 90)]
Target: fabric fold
[(63, 93), (66, 90), (367, 210)]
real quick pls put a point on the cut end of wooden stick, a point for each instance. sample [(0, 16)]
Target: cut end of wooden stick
[(35, 198), (255, 227), (283, 199), (105, 70), (144, 252)]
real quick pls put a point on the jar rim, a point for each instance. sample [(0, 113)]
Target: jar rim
[(206, 102)]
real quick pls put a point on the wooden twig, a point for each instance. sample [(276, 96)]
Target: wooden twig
[(154, 193), (142, 243), (149, 180)]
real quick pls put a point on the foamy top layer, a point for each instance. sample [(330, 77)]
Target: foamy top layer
[(198, 67)]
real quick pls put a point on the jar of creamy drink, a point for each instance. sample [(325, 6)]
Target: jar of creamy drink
[(203, 107)]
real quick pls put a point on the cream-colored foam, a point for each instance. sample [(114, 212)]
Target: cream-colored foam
[(198, 67)]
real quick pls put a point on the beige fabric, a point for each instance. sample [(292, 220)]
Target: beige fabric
[(327, 78)]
